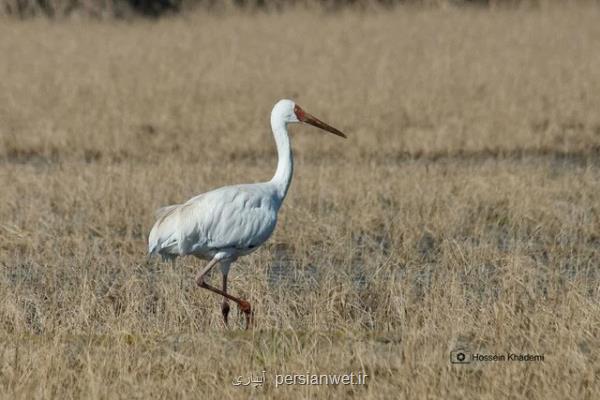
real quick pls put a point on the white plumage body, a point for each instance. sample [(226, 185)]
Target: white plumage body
[(233, 220)]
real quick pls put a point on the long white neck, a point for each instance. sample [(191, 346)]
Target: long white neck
[(285, 164)]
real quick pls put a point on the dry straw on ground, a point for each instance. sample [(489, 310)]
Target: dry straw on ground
[(462, 212)]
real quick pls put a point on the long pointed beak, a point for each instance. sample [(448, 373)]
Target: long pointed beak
[(314, 121)]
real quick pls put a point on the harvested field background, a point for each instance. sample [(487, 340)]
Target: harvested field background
[(462, 212)]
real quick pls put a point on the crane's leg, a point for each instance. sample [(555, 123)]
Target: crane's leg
[(225, 305), (243, 304), (225, 264)]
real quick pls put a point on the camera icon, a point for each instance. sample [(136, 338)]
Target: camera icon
[(459, 357)]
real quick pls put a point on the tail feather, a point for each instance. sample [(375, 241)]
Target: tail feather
[(162, 239)]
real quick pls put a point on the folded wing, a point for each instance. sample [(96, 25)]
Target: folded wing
[(235, 217)]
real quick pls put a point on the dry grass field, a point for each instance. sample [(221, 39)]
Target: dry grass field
[(462, 212)]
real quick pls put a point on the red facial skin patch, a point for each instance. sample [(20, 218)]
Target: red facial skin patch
[(299, 113)]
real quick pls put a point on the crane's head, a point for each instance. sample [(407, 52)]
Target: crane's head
[(291, 112)]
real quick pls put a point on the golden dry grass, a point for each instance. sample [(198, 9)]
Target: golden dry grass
[(462, 212)]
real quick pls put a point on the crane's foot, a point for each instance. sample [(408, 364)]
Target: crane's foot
[(225, 311), (247, 310)]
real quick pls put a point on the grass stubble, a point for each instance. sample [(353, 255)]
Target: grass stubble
[(462, 211)]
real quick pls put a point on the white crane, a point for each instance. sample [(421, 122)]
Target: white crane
[(232, 221)]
